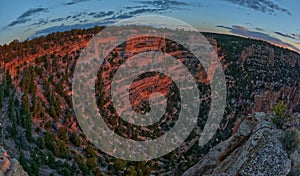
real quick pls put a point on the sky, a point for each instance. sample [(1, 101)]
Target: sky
[(275, 21)]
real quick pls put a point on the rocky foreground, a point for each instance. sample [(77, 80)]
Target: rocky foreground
[(256, 148), (10, 166)]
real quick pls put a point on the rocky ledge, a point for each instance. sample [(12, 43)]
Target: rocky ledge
[(256, 148), (10, 166)]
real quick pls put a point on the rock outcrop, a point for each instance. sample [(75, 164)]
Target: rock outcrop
[(10, 166), (295, 158), (254, 149)]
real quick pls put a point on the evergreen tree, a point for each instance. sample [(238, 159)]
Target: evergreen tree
[(12, 114), (1, 95), (8, 85), (25, 115), (37, 108), (63, 134)]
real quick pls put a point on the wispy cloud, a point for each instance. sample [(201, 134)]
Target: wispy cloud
[(129, 12), (243, 31), (165, 4), (265, 6), (297, 36), (17, 21), (144, 10), (57, 20), (74, 2), (80, 14), (259, 29), (32, 11), (242, 28), (224, 27), (79, 17), (135, 7), (25, 17), (61, 28), (101, 14), (151, 6), (285, 35), (110, 16), (42, 21)]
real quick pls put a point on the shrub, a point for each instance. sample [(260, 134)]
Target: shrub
[(282, 115), (290, 139), (75, 139), (63, 134)]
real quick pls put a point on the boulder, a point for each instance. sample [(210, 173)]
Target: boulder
[(295, 158), (255, 149), (4, 163), (10, 166), (16, 169)]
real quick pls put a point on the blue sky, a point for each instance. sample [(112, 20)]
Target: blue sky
[(276, 21)]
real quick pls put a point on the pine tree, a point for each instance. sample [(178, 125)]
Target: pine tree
[(12, 114), (8, 85), (31, 87), (26, 117), (1, 95)]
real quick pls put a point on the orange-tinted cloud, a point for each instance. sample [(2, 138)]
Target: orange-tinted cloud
[(245, 32)]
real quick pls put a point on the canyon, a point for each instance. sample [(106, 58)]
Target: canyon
[(258, 75)]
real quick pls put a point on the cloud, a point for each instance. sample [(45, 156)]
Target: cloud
[(31, 12), (265, 6), (102, 14), (166, 4), (41, 21), (57, 20), (243, 31), (151, 6), (74, 2), (224, 27), (297, 36), (111, 16), (25, 17), (68, 17), (285, 35), (78, 15), (62, 28), (259, 29), (83, 21), (135, 7), (122, 14), (118, 17), (17, 21), (240, 27), (144, 10)]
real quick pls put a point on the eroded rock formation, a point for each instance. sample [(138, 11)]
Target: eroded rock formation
[(255, 149)]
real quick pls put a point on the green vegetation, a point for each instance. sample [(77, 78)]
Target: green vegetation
[(57, 146), (12, 114), (1, 95), (26, 114), (8, 85), (282, 115), (63, 134), (28, 81), (75, 139)]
